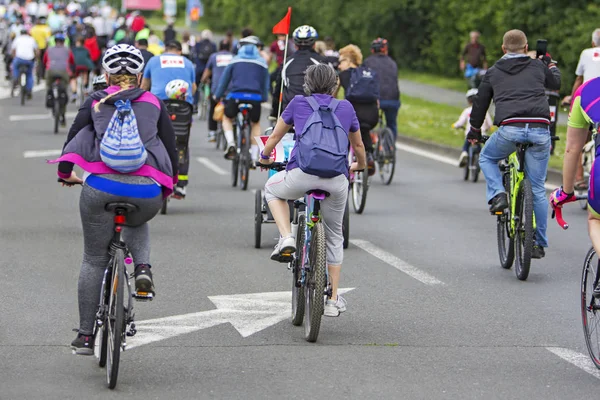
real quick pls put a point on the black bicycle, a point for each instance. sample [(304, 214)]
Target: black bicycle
[(385, 151), (20, 83), (472, 168), (240, 166), (59, 103)]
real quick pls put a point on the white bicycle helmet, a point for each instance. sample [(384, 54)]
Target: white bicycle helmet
[(99, 80), (177, 89), (305, 35), (471, 93), (123, 59), (250, 40)]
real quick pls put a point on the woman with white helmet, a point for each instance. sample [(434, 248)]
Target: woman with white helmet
[(463, 120), (146, 187)]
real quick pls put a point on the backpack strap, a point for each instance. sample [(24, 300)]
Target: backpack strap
[(313, 103), (334, 105)]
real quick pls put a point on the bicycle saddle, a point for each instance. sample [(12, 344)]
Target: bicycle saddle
[(127, 207), (318, 194)]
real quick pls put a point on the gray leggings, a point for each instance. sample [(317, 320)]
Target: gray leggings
[(293, 184), (97, 233)]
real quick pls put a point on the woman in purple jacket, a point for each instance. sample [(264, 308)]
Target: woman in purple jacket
[(145, 188)]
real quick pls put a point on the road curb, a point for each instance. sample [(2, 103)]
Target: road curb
[(444, 150)]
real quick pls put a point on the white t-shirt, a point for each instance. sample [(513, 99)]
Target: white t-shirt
[(32, 9), (463, 120), (25, 47), (99, 26), (42, 9), (589, 64)]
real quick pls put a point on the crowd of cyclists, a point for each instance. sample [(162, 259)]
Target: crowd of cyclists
[(136, 71)]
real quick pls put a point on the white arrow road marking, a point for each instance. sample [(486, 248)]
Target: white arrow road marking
[(32, 117), (248, 313), (212, 166), (581, 361), (41, 153), (396, 262)]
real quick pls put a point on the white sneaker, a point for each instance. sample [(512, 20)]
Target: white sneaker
[(284, 249), (462, 160), (335, 308), (179, 192), (230, 152)]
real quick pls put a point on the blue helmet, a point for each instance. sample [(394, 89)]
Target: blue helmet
[(59, 37)]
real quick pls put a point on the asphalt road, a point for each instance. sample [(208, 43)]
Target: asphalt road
[(431, 314)]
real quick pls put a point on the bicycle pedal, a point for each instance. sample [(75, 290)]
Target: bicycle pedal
[(143, 296), (498, 213)]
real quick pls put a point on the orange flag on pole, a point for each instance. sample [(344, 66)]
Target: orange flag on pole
[(283, 26)]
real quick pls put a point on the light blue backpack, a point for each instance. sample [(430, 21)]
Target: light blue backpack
[(121, 147)]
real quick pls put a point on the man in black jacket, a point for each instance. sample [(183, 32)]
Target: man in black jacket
[(292, 72), (517, 83)]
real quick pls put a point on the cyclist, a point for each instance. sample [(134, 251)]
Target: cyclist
[(142, 46), (101, 185), (24, 51), (585, 110), (277, 50), (158, 73), (41, 32), (387, 73), (321, 83), (83, 66), (247, 78), (292, 72), (59, 62), (201, 53), (364, 96), (517, 85), (214, 69), (463, 120)]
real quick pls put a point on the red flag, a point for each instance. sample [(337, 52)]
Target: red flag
[(283, 26)]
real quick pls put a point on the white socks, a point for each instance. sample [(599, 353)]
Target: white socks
[(229, 138)]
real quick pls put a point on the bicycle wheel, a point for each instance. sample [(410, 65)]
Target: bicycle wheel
[(506, 245), (56, 115), (298, 295), (22, 80), (218, 138), (258, 218), (234, 170), (102, 343), (116, 318), (387, 153), (346, 225), (360, 187), (524, 230), (316, 283), (590, 306), (475, 167), (245, 159), (163, 209)]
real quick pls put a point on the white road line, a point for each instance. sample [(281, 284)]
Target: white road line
[(397, 263), (5, 91), (41, 153), (32, 117), (581, 361), (212, 166), (446, 160)]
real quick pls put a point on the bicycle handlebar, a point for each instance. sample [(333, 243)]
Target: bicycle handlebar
[(276, 166), (60, 180), (557, 213)]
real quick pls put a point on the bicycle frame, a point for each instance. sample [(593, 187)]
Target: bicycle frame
[(242, 122), (516, 166)]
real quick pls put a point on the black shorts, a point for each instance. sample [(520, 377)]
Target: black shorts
[(231, 109)]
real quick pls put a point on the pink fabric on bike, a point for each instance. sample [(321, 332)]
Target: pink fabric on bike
[(146, 97)]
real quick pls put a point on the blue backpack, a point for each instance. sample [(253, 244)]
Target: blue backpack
[(323, 144), (121, 147), (364, 86)]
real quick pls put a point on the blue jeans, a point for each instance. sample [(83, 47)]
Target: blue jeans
[(500, 146), (390, 110), (15, 66)]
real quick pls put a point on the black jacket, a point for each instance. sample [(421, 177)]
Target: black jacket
[(387, 73), (169, 34), (292, 73), (517, 86)]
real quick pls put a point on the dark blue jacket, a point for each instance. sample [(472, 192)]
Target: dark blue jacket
[(247, 72)]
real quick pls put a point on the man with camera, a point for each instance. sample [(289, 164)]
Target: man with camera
[(517, 85)]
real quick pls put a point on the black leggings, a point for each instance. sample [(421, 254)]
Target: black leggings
[(212, 124), (368, 117)]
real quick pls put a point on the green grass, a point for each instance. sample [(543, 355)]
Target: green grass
[(446, 82), (429, 121)]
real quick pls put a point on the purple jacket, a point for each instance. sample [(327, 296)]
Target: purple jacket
[(154, 123)]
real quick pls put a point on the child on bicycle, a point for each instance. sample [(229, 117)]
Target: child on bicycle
[(83, 66), (145, 188), (463, 120), (320, 84), (517, 85)]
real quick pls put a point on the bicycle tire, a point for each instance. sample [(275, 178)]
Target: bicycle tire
[(245, 158), (316, 283), (346, 225), (234, 170), (506, 244), (258, 219), (163, 209), (116, 318), (590, 306), (102, 338), (298, 295), (524, 232), (56, 115), (360, 187), (475, 167), (218, 137), (387, 164), (23, 90)]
